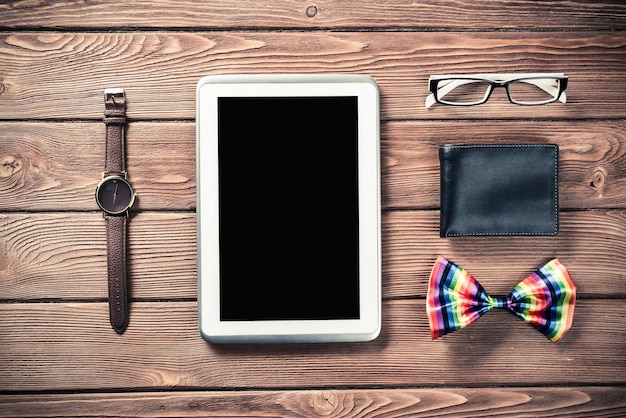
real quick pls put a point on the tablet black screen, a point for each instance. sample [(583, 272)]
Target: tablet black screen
[(288, 202)]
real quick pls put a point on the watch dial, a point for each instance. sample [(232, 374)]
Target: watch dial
[(115, 195)]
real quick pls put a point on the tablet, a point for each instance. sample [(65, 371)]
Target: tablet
[(288, 208)]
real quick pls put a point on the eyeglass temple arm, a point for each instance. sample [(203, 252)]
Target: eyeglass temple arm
[(448, 87)]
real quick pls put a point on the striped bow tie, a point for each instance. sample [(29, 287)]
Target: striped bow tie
[(545, 299)]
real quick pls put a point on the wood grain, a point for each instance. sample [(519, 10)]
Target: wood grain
[(71, 346), (62, 255), (41, 77), (222, 14), (39, 163), (535, 401)]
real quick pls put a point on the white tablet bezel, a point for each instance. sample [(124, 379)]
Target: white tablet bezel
[(211, 327)]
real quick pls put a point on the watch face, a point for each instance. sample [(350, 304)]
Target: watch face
[(115, 195)]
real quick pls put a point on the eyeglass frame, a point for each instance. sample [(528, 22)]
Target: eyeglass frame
[(495, 81)]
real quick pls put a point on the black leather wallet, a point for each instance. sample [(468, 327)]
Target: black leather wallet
[(509, 189)]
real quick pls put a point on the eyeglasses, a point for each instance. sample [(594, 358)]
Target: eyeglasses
[(475, 89)]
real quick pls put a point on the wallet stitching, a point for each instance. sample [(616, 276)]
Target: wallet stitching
[(556, 188)]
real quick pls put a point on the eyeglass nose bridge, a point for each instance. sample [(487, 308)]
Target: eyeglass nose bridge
[(495, 84)]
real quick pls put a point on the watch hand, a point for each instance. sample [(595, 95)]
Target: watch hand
[(115, 193)]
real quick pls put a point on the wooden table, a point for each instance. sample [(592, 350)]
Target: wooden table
[(58, 353)]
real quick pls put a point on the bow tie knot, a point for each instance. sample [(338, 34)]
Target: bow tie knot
[(500, 302), (545, 299)]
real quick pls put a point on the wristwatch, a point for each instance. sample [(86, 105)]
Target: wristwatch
[(115, 196)]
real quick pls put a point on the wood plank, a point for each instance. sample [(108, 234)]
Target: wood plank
[(484, 402), (71, 346), (43, 161), (460, 14), (39, 162), (591, 158), (589, 244), (41, 77), (62, 255)]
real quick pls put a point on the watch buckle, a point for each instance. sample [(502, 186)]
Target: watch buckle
[(111, 93)]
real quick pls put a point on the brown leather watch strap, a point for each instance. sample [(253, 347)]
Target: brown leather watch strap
[(115, 120), (116, 271)]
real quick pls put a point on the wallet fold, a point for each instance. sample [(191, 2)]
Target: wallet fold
[(507, 189)]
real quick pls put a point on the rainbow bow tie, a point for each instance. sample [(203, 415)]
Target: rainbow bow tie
[(545, 299)]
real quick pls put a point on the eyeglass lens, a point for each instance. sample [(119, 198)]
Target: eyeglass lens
[(535, 90)]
